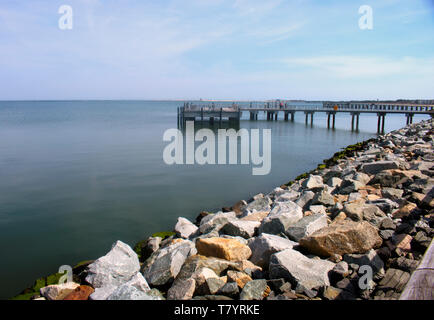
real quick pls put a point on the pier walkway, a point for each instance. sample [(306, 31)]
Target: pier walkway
[(212, 112)]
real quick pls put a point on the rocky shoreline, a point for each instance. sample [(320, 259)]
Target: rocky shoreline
[(354, 228)]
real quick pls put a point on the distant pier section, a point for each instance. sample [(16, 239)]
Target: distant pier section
[(213, 111)]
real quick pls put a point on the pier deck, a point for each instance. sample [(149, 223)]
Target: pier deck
[(272, 110)]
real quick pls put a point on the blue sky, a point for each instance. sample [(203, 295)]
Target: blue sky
[(216, 49)]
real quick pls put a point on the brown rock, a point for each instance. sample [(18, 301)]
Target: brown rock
[(257, 216), (343, 238), (239, 277), (228, 249), (81, 293), (405, 211), (402, 242)]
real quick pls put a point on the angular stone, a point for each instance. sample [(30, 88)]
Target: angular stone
[(288, 196), (81, 293), (259, 204), (214, 285), (182, 290), (255, 290), (404, 211), (334, 182), (402, 242), (343, 238), (58, 291), (257, 216), (184, 228), (313, 182), (318, 209), (307, 226), (283, 215), (371, 259), (323, 198), (305, 199), (215, 221), (240, 278), (135, 289), (375, 167), (228, 249), (349, 186), (238, 228), (299, 269), (149, 247), (201, 276), (359, 211), (112, 270), (392, 193), (386, 205), (230, 289), (164, 265), (265, 245)]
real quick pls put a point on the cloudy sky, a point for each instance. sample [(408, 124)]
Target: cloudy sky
[(220, 49)]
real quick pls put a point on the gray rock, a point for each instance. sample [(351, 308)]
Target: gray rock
[(385, 205), (391, 193), (305, 199), (230, 289), (318, 209), (386, 234), (349, 186), (299, 269), (182, 290), (254, 290), (214, 285), (313, 182), (371, 259), (184, 228), (306, 226), (112, 270), (259, 204), (265, 245), (334, 182), (215, 221), (362, 178), (135, 289), (323, 198), (164, 265), (376, 167), (238, 228), (283, 215), (359, 212), (288, 196)]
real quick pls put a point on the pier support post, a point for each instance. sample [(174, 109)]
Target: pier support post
[(328, 120), (334, 120), (286, 116), (357, 122), (307, 117), (311, 118), (382, 124), (352, 121), (276, 115), (292, 116)]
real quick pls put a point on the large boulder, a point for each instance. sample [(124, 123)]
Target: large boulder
[(306, 226), (283, 215), (342, 238), (164, 265), (228, 249), (112, 270), (265, 245), (305, 199), (299, 269), (184, 228), (182, 290)]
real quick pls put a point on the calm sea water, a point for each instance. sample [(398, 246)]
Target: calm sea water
[(77, 176)]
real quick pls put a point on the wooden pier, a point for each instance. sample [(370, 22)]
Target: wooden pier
[(421, 284), (234, 112)]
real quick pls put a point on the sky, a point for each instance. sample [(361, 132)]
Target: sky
[(216, 49)]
